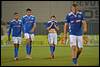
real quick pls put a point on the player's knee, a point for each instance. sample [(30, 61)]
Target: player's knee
[(80, 49), (54, 44), (15, 45), (74, 48), (28, 41)]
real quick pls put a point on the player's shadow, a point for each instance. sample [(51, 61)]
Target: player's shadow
[(56, 57)]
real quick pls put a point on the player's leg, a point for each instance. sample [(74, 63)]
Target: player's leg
[(73, 48), (15, 41), (18, 42), (28, 40), (50, 40), (31, 40), (54, 42), (80, 46), (79, 50)]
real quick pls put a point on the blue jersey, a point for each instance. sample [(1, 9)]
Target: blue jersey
[(75, 23), (28, 22), (15, 27), (54, 23)]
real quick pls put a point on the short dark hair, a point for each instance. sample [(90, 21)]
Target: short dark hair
[(53, 16), (74, 5), (28, 9), (15, 13)]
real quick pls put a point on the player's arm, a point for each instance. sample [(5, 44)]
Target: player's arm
[(50, 26), (34, 25), (66, 26), (85, 37), (56, 26), (84, 26), (65, 30), (33, 28)]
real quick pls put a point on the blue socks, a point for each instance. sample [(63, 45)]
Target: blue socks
[(52, 49), (75, 60), (16, 52), (28, 49)]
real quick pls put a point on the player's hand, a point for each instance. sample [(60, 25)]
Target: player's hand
[(31, 31), (65, 38), (55, 24), (85, 39), (51, 24)]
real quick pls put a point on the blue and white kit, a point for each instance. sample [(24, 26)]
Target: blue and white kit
[(15, 27), (52, 37), (28, 23), (75, 27)]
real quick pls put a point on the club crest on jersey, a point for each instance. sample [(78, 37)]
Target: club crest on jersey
[(32, 18)]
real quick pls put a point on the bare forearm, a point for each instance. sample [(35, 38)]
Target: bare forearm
[(57, 27), (49, 26), (65, 28), (33, 28), (85, 27)]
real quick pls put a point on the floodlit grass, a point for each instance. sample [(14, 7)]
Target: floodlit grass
[(40, 57), (41, 54)]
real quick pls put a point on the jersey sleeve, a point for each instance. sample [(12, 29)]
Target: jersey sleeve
[(35, 20), (83, 16), (67, 20), (57, 23), (48, 24), (22, 20)]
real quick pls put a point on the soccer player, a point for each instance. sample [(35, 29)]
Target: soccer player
[(52, 27), (15, 27), (76, 25), (29, 24)]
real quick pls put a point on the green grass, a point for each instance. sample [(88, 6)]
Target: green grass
[(89, 57)]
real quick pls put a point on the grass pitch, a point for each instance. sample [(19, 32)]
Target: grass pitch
[(41, 54), (40, 57)]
